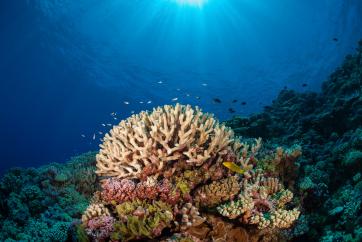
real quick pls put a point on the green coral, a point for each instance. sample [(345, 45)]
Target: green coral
[(81, 234), (353, 158), (183, 186), (140, 219)]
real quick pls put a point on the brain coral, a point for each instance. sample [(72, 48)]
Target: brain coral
[(151, 140)]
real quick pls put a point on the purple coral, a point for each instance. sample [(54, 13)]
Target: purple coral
[(100, 228)]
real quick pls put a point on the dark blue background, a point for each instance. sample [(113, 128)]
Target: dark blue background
[(66, 65)]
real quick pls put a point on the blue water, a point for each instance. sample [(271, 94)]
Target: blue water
[(65, 65)]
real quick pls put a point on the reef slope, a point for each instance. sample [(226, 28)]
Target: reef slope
[(328, 126)]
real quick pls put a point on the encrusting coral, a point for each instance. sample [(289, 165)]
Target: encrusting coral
[(162, 173)]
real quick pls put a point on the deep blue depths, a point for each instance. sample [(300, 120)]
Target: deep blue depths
[(66, 65)]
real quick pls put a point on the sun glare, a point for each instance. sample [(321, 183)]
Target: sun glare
[(197, 3)]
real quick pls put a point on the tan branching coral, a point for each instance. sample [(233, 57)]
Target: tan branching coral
[(169, 133), (262, 202), (218, 191), (93, 211), (246, 153), (190, 217), (241, 158)]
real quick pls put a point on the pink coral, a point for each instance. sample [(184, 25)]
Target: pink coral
[(167, 193), (123, 190), (100, 228), (118, 190)]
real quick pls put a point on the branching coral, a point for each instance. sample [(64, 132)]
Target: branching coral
[(169, 169), (169, 133), (122, 190), (93, 211), (100, 228), (190, 217), (218, 191), (262, 202)]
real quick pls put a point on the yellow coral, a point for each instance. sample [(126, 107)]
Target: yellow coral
[(169, 133)]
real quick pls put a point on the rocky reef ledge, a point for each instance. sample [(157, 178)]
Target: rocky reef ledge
[(176, 174)]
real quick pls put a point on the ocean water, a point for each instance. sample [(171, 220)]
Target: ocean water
[(70, 70), (66, 65)]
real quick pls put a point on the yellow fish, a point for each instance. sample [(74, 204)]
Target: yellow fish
[(233, 167)]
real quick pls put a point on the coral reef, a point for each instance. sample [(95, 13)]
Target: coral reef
[(328, 128), (176, 174), (149, 141), (200, 168), (217, 191), (42, 204), (262, 202)]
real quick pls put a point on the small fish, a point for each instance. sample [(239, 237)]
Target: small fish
[(94, 136), (187, 95), (141, 102), (109, 125), (174, 99), (149, 102), (115, 118), (234, 101), (197, 97), (216, 100), (132, 112), (83, 136), (233, 167), (204, 84), (178, 89), (159, 82), (231, 110), (103, 125), (125, 102), (304, 84), (100, 132), (243, 103), (335, 39)]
